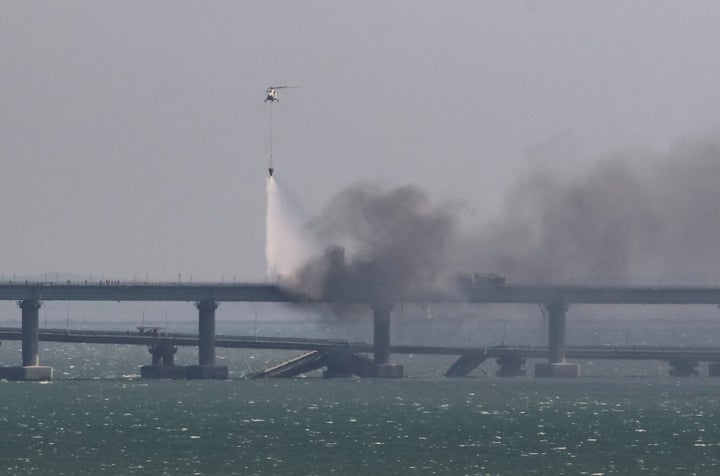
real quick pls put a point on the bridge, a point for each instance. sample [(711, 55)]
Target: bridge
[(270, 292), (206, 296), (319, 353)]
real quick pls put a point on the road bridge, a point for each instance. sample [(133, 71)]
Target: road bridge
[(270, 292), (206, 296), (504, 355)]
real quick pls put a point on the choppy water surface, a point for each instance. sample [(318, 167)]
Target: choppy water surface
[(98, 417), (316, 426)]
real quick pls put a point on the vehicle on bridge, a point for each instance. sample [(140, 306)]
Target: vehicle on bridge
[(150, 330), (480, 281)]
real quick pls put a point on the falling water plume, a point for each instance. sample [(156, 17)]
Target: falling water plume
[(286, 245)]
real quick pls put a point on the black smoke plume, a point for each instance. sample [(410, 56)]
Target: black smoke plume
[(379, 244), (635, 218)]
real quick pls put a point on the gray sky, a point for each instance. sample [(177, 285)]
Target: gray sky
[(135, 138)]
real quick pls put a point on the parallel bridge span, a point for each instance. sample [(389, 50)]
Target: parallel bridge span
[(642, 352), (555, 298)]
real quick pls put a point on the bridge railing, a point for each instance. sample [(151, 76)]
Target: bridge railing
[(110, 282)]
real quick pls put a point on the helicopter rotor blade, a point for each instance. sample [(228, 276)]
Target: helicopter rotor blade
[(284, 87)]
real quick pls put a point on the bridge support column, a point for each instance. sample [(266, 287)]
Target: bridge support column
[(714, 369), (156, 353), (556, 367), (163, 363), (206, 332), (206, 345), (510, 366), (381, 343), (168, 355), (683, 367), (556, 332), (30, 332), (30, 370), (339, 366)]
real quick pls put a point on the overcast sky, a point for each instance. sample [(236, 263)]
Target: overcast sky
[(135, 137)]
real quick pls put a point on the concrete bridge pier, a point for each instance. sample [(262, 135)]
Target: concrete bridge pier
[(714, 369), (162, 353), (510, 366), (31, 369), (339, 366), (381, 343), (168, 354), (206, 368), (155, 353), (30, 332), (347, 364), (556, 367), (163, 363), (683, 367)]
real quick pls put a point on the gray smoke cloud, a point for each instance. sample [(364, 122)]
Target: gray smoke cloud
[(634, 218), (380, 244)]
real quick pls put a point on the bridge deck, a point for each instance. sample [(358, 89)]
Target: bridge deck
[(332, 345), (268, 292)]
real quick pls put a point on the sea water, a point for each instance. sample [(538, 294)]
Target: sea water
[(99, 417), (312, 426)]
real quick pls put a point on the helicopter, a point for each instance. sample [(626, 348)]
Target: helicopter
[(271, 95), (271, 92)]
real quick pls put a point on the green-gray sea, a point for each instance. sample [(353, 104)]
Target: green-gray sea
[(619, 418), (313, 426)]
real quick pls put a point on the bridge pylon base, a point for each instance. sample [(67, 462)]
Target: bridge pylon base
[(217, 372), (162, 371), (339, 366), (337, 373), (390, 371), (510, 366), (560, 369), (29, 373), (683, 368)]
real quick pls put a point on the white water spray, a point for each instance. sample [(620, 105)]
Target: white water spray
[(287, 246)]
